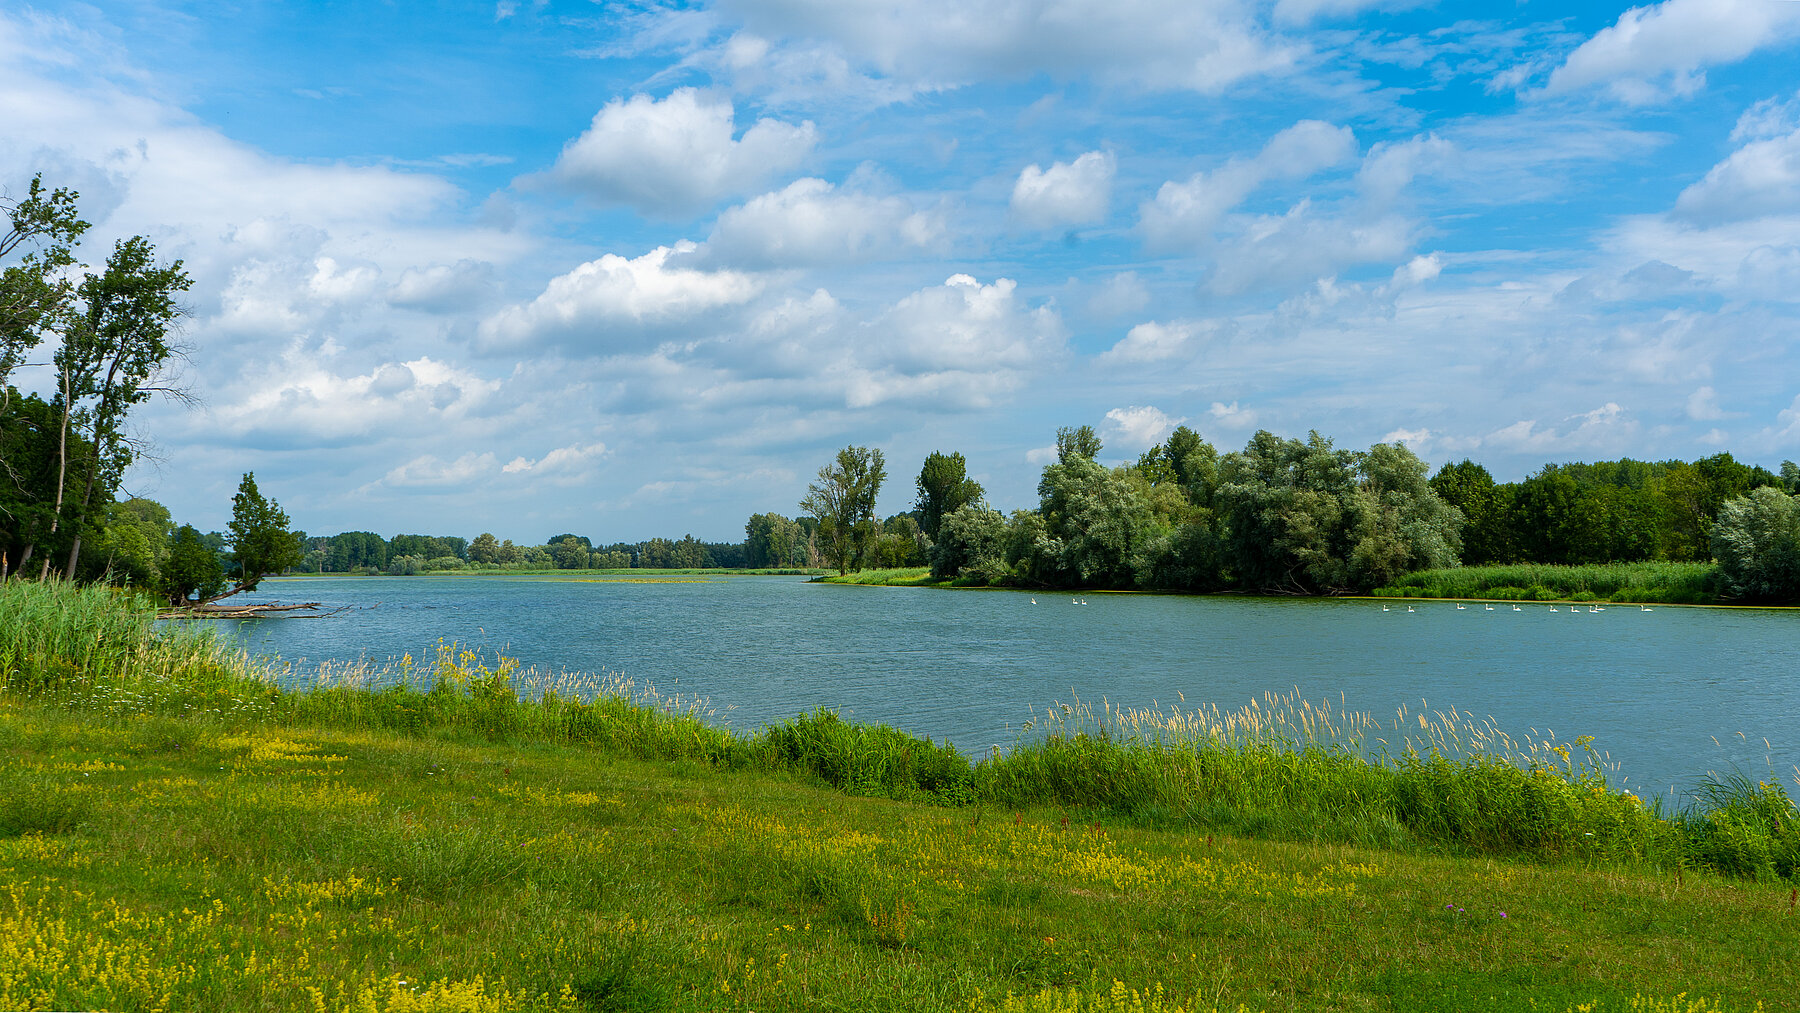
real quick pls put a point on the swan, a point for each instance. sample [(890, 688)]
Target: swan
[(1518, 608), (1459, 608), (1490, 608)]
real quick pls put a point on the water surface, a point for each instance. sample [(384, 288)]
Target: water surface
[(1655, 688)]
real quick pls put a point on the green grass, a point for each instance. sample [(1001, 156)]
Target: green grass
[(1666, 582), (904, 576), (176, 833)]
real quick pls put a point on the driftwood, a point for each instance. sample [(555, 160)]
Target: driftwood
[(255, 610)]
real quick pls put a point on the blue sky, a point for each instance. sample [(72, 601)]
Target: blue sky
[(641, 269)]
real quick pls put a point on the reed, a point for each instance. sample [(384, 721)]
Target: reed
[(1651, 581)]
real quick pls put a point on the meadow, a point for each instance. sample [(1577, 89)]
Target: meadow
[(177, 833)]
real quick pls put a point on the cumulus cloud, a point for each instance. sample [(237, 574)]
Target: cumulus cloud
[(1652, 53), (428, 471), (1155, 341), (1067, 193), (962, 336), (1604, 428), (594, 305), (1199, 45), (1303, 246), (1230, 417), (1139, 427), (1187, 214), (1760, 178), (1703, 405), (563, 465), (443, 288), (810, 222), (1415, 439), (299, 399), (678, 155)]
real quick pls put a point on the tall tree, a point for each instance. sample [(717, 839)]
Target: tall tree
[(843, 500), (112, 357), (259, 537), (35, 292), (1077, 442), (944, 487)]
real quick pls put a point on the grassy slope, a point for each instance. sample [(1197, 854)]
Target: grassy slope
[(193, 863)]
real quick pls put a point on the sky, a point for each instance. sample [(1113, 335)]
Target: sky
[(641, 269)]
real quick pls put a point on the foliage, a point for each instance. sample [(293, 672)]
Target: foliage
[(944, 488), (969, 538), (843, 501), (1757, 543), (260, 541), (192, 571)]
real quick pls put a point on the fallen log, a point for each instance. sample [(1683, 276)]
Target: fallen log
[(254, 610)]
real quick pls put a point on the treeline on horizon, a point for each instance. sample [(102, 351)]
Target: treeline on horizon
[(1290, 516)]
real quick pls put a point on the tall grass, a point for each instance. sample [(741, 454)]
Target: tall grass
[(1282, 767), (1654, 581)]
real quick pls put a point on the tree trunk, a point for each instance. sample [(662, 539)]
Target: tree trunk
[(87, 495)]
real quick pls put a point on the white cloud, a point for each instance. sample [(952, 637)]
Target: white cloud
[(1199, 45), (1416, 439), (1301, 246), (563, 466), (1300, 12), (1659, 51), (1122, 293), (1230, 417), (1768, 118), (1154, 341), (1760, 178), (1187, 214), (677, 156), (962, 336), (1390, 167), (296, 399), (1703, 405), (810, 222), (444, 288), (594, 305), (1067, 193), (428, 471), (1139, 428), (1605, 428)]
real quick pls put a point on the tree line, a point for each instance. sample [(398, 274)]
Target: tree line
[(1291, 516), (368, 553)]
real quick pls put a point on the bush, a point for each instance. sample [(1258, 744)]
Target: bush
[(1756, 540)]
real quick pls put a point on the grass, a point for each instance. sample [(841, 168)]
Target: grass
[(177, 833), (1666, 582), (904, 576)]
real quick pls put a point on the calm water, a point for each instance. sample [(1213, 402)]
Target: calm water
[(1655, 688)]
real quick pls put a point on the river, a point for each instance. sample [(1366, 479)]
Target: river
[(1669, 694)]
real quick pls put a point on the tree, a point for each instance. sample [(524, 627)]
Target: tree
[(769, 541), (1757, 543), (192, 569), (484, 549), (1080, 442), (972, 538), (570, 552), (843, 500), (260, 541), (111, 358), (944, 487), (35, 293)]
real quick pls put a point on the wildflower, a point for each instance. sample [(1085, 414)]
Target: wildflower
[(1503, 914)]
